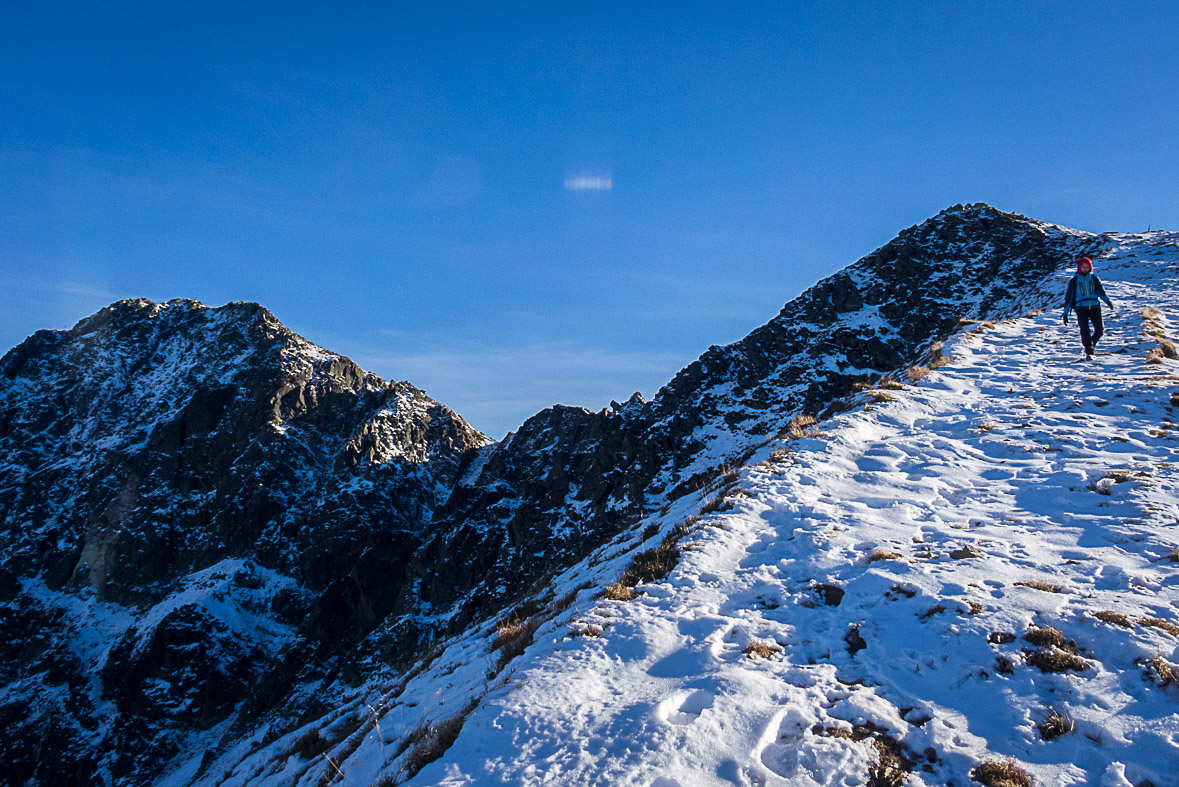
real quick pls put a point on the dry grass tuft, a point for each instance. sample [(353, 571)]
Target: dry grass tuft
[(1047, 587), (881, 554), (1045, 637), (889, 385), (986, 427), (619, 592), (428, 742), (757, 649), (1055, 724), (939, 362), (1163, 672), (513, 636), (778, 455), (800, 426), (915, 373), (716, 504), (1152, 315), (1052, 660), (1159, 623), (1113, 618), (653, 564), (879, 396), (1001, 773)]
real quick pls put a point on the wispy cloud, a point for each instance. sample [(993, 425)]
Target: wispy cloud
[(589, 182)]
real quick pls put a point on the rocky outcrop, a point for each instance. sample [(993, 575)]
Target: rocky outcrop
[(153, 441)]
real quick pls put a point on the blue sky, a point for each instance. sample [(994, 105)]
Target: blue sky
[(512, 205)]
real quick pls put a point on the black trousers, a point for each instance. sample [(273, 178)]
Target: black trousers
[(1087, 315)]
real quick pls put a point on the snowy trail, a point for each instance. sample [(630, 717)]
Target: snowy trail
[(879, 562)]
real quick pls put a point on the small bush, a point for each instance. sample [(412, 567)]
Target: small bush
[(1113, 618), (1052, 660), (881, 554), (1159, 623), (917, 372), (1055, 724), (760, 650), (1046, 587), (1163, 672), (1001, 773), (1044, 637), (1155, 355), (778, 455)]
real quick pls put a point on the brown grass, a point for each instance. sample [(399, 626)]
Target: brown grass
[(1001, 773), (716, 504), (512, 637), (915, 373), (1113, 618), (889, 385), (801, 425), (881, 554), (1164, 672), (652, 564), (1052, 660), (428, 742), (986, 427), (757, 649), (619, 592), (1047, 587), (879, 396), (1159, 623), (1055, 724), (1044, 637)]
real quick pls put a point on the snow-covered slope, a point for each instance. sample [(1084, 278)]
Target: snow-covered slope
[(232, 557), (879, 602)]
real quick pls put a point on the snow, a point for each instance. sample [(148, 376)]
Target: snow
[(1052, 469)]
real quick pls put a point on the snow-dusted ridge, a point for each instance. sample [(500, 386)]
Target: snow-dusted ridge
[(382, 543), (1015, 463)]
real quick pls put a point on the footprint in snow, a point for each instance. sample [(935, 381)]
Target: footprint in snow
[(685, 707)]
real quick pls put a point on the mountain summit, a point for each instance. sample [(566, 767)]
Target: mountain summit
[(219, 539)]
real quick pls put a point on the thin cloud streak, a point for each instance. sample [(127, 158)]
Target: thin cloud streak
[(589, 183)]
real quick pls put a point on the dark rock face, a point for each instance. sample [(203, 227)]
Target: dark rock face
[(153, 441), (201, 512)]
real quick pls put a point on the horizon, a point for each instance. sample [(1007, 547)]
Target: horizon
[(515, 209)]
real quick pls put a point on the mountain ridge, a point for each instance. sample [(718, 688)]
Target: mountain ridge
[(369, 538)]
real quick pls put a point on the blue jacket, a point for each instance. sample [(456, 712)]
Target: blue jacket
[(1083, 291)]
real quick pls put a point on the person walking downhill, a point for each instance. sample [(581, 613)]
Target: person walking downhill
[(1083, 291)]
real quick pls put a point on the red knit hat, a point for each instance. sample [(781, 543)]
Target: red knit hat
[(1084, 261)]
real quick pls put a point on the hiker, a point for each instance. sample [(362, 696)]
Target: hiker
[(1083, 291)]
